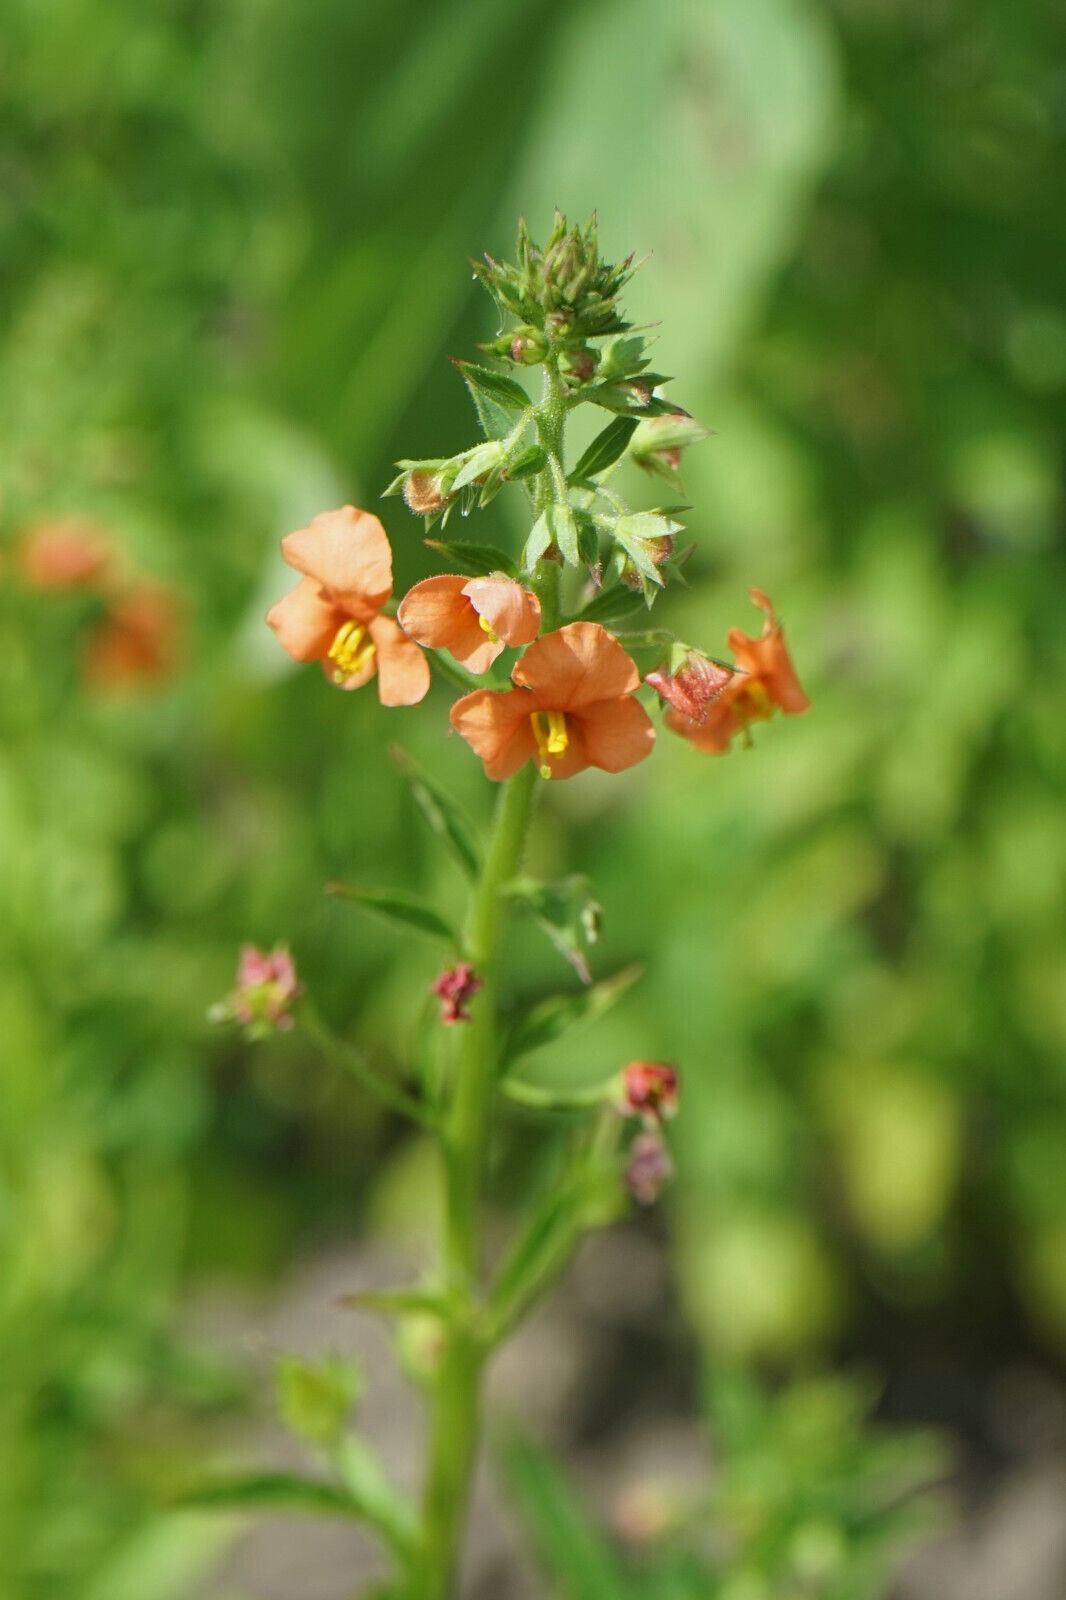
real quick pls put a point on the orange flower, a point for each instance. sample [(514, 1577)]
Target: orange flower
[(334, 614), (573, 708), (764, 682), (474, 618)]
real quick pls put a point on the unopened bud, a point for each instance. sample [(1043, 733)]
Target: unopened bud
[(580, 365), (649, 1091), (423, 492), (527, 349)]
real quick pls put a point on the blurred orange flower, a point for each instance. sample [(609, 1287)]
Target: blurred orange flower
[(474, 618), (765, 682), (136, 643), (573, 708), (64, 553), (334, 614)]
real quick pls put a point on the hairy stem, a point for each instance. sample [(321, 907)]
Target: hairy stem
[(455, 1419)]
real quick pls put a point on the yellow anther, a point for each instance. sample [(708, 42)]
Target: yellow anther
[(549, 730), (486, 626), (351, 649)]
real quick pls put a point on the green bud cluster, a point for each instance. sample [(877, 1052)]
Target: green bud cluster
[(570, 323)]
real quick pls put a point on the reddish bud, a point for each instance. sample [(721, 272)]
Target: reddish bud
[(649, 1091), (454, 988)]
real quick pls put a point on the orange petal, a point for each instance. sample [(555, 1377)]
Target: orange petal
[(715, 734), (349, 554), (617, 733), (403, 671), (513, 613), (305, 621), (437, 613), (767, 659), (432, 610), (497, 728), (576, 666)]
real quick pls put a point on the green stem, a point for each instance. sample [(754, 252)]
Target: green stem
[(455, 1420), (355, 1064)]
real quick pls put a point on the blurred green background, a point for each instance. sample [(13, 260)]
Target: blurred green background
[(234, 236)]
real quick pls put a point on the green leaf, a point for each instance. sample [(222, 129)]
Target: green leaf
[(566, 912), (607, 447), (530, 460), (496, 397), (476, 560), (444, 816), (562, 525), (271, 1491), (403, 910), (551, 1018), (611, 604), (575, 1555), (478, 463)]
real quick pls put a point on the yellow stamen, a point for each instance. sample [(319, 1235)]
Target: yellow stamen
[(486, 627), (549, 730), (351, 649)]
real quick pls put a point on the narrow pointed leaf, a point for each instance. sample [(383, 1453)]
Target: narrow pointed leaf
[(610, 605), (562, 525), (606, 448), (402, 910), (496, 398), (551, 1018), (394, 1302), (476, 560), (448, 821), (577, 1558), (526, 464), (271, 1491)]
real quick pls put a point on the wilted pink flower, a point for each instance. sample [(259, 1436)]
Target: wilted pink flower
[(649, 1169), (266, 988), (455, 987), (649, 1090), (694, 687)]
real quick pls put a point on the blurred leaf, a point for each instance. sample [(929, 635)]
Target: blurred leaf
[(444, 816), (403, 910), (551, 1018), (272, 1491), (574, 1554)]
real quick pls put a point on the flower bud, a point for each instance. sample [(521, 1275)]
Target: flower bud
[(649, 1091), (423, 492), (649, 1168), (454, 988), (527, 348), (266, 988), (579, 365)]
